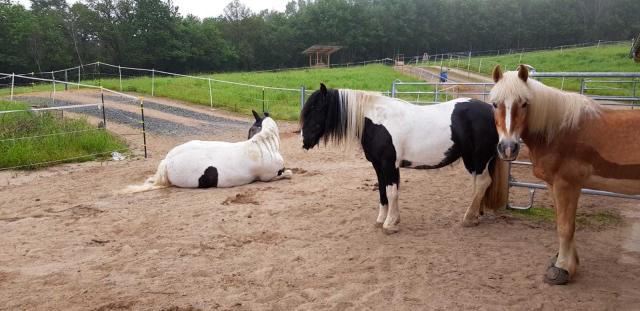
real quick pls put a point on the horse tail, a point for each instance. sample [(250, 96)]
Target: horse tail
[(497, 194), (157, 181)]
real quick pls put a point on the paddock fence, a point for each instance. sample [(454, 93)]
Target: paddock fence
[(616, 89), (44, 130)]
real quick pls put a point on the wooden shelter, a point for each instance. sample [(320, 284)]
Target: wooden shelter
[(320, 55)]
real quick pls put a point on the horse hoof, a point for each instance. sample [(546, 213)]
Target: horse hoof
[(378, 224), (389, 231), (556, 276), (288, 174), (470, 223)]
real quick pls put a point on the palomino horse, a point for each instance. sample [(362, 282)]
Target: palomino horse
[(206, 164), (394, 133), (574, 143)]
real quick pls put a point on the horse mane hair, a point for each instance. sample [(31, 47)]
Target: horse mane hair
[(550, 110), (346, 114), (268, 139)]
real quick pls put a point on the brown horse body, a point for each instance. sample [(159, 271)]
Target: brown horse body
[(574, 143)]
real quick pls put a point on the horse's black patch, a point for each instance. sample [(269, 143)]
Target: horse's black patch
[(281, 171), (474, 135), (378, 148), (209, 178)]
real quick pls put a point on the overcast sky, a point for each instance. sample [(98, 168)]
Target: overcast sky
[(213, 8)]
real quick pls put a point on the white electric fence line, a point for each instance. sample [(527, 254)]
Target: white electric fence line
[(51, 108), (52, 134), (74, 83)]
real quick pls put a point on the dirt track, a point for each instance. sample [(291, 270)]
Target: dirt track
[(70, 242)]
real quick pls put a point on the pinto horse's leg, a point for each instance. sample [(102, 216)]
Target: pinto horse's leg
[(480, 184), (384, 202), (565, 197), (392, 180)]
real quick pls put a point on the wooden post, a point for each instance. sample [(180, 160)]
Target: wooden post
[(79, 75), (120, 76)]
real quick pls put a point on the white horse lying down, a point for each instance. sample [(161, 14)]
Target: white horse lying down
[(206, 164)]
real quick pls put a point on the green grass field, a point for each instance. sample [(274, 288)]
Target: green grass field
[(282, 104), (606, 58), (16, 150)]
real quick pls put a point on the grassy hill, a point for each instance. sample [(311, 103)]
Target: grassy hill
[(606, 58)]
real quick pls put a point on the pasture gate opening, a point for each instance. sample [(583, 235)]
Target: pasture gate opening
[(618, 88)]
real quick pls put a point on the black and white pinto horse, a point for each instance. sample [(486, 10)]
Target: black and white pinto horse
[(394, 133), (206, 164)]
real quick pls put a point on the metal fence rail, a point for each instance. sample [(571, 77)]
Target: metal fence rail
[(444, 88)]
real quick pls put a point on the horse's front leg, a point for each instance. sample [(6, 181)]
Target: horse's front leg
[(391, 175), (384, 202), (480, 184), (280, 174), (565, 197)]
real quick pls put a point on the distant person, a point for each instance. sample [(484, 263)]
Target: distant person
[(444, 75)]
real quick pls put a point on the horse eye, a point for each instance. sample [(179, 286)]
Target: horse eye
[(524, 105)]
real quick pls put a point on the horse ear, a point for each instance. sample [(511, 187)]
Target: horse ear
[(323, 89), (255, 115), (266, 114), (497, 73), (523, 72)]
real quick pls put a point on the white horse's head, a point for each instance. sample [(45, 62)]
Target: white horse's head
[(257, 125)]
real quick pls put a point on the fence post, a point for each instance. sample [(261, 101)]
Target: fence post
[(635, 84), (79, 75), (562, 85), (581, 86), (210, 94), (144, 133), (66, 80), (120, 76), (53, 77), (302, 90), (480, 66), (469, 63), (393, 89), (520, 60), (153, 81), (104, 115), (13, 76), (262, 100), (99, 75)]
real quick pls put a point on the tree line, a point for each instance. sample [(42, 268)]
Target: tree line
[(53, 34)]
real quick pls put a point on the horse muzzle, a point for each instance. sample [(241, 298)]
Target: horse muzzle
[(508, 149)]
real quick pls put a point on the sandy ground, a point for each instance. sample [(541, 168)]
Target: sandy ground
[(71, 242)]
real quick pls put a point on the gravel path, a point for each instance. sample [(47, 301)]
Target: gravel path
[(212, 124)]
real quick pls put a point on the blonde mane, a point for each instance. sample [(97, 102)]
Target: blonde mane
[(550, 110), (353, 105), (268, 139)]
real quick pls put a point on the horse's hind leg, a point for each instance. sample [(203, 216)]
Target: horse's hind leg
[(480, 184), (565, 196), (384, 203)]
